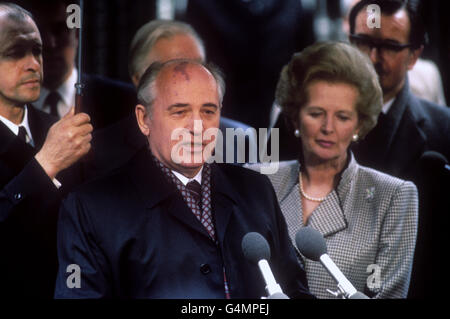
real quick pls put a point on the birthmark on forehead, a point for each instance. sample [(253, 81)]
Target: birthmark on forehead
[(181, 69)]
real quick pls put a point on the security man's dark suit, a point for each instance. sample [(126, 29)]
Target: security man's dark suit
[(29, 203), (395, 146)]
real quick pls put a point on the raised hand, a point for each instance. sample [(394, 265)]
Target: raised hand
[(67, 141)]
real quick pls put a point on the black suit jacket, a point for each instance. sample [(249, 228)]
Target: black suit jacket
[(411, 127), (28, 213), (395, 146), (133, 236)]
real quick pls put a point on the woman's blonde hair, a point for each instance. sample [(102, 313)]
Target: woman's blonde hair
[(333, 62)]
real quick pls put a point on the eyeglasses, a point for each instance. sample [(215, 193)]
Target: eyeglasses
[(366, 44)]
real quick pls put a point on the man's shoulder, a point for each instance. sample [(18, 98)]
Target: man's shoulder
[(35, 114), (283, 179), (428, 110), (116, 181), (434, 122), (233, 171), (226, 122), (107, 184), (245, 182)]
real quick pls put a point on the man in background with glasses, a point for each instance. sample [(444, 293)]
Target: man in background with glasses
[(407, 126)]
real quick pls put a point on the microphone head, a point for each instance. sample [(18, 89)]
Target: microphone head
[(310, 243), (278, 295), (432, 161), (434, 157), (255, 247), (358, 295)]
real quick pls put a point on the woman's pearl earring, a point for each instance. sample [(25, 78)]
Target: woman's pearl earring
[(297, 133), (355, 137)]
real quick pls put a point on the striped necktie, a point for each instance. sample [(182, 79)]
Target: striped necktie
[(196, 191)]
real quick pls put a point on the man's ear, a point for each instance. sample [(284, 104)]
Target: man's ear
[(414, 56), (135, 79), (142, 119)]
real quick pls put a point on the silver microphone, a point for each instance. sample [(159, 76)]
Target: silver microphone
[(312, 245), (257, 250)]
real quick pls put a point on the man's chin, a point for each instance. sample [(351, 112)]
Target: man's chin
[(188, 169), (387, 89), (195, 160), (191, 166), (29, 97)]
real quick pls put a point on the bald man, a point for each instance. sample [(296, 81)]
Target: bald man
[(167, 224), (155, 41)]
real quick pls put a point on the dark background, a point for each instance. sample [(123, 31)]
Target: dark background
[(250, 40)]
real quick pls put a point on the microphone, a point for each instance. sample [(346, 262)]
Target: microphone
[(312, 245), (434, 159), (257, 250)]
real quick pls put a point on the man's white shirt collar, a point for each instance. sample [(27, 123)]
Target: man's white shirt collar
[(15, 128), (386, 106), (186, 180)]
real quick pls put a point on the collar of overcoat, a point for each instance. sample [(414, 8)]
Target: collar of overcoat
[(154, 189)]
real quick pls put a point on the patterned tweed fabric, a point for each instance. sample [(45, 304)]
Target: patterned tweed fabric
[(369, 219)]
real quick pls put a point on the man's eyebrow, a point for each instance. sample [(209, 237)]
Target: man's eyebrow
[(181, 105), (210, 105), (365, 36), (177, 105), (22, 43)]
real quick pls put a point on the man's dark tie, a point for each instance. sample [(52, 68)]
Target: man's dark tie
[(52, 101), (195, 189), (381, 118), (22, 134)]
